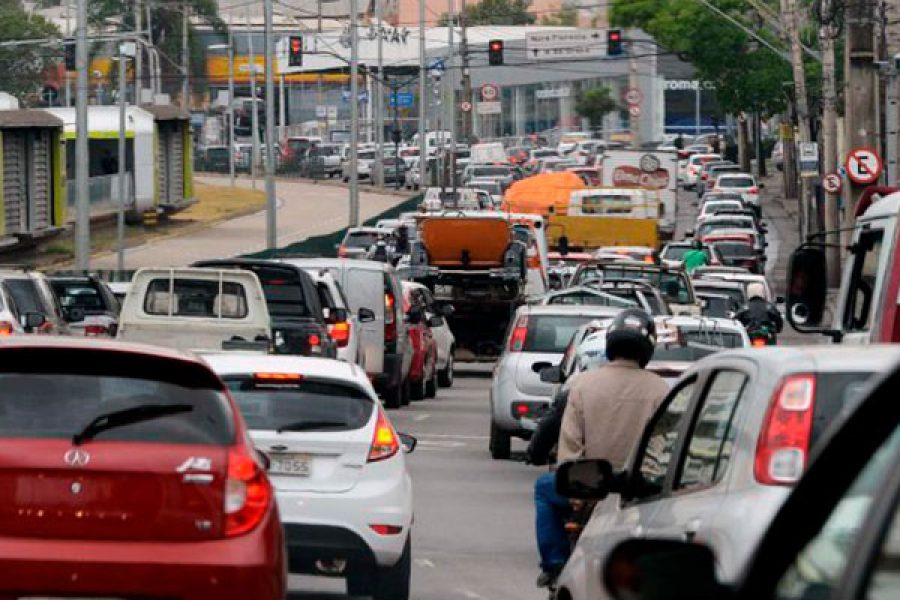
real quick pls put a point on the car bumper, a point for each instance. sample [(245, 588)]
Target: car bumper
[(250, 566), (337, 526), (503, 397)]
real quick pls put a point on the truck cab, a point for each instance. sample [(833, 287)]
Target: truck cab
[(866, 309)]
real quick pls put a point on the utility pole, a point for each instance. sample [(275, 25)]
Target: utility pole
[(185, 61), (423, 102), (892, 109), (634, 121), (231, 101), (450, 98), (354, 115), (801, 103), (83, 200), (827, 33), (254, 113), (466, 76), (138, 56), (377, 100), (271, 220), (126, 50)]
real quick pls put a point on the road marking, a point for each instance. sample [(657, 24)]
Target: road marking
[(470, 594), (454, 436), (422, 417), (424, 562), (441, 444)]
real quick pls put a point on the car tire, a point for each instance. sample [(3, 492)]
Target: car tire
[(405, 393), (445, 375), (393, 397), (417, 389), (384, 583), (431, 385), (499, 444)]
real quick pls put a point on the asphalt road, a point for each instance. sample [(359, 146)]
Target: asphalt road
[(473, 537)]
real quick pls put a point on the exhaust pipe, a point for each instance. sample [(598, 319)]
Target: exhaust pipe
[(331, 567)]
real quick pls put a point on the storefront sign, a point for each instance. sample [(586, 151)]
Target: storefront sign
[(632, 177), (563, 92)]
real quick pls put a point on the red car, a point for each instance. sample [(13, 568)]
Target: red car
[(126, 471), (423, 370)]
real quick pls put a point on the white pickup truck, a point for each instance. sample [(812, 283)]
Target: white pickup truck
[(196, 309)]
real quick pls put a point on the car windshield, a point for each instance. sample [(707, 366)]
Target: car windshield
[(552, 333), (217, 153), (592, 299), (299, 404), (361, 239), (489, 171), (673, 285), (736, 182), (735, 293), (56, 393)]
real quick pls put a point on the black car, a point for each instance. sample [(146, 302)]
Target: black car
[(298, 321), (91, 296), (215, 159)]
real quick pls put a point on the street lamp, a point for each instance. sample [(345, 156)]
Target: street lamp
[(230, 48)]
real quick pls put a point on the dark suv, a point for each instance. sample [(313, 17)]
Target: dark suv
[(298, 321)]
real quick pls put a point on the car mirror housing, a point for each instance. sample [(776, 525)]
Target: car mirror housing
[(366, 315), (806, 286), (587, 479), (655, 569), (408, 442)]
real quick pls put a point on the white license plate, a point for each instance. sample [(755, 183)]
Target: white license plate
[(298, 465)]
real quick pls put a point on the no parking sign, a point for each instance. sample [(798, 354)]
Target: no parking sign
[(863, 166)]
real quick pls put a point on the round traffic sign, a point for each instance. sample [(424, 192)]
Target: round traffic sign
[(489, 92), (863, 166), (831, 183), (634, 110), (649, 163), (465, 106), (633, 96)]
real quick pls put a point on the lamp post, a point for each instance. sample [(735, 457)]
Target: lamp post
[(229, 47), (127, 50)]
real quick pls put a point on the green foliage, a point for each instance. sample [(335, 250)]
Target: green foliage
[(595, 103), (566, 17), (496, 12), (747, 76), (24, 66)]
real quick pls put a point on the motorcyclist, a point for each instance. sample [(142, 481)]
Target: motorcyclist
[(759, 312), (606, 412), (695, 257)]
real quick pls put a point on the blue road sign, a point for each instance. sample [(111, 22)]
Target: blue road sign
[(402, 99), (363, 96)]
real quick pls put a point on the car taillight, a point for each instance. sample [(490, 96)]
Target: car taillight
[(95, 330), (758, 342), (390, 318), (247, 494), (385, 443), (6, 329), (342, 252), (704, 176), (783, 444), (753, 190), (517, 339), (340, 333)]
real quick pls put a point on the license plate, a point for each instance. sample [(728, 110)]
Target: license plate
[(297, 465)]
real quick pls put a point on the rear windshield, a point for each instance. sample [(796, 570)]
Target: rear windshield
[(80, 294), (735, 182), (368, 155), (698, 345), (725, 224), (672, 285), (360, 240), (676, 252), (735, 249), (836, 394), (586, 298), (717, 306), (490, 171), (284, 294), (300, 405), (25, 295), (48, 393), (552, 333), (734, 293), (195, 298)]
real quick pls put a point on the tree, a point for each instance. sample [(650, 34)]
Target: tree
[(496, 12), (24, 66), (595, 103), (566, 17)]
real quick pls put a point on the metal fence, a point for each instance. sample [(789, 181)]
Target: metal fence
[(103, 193)]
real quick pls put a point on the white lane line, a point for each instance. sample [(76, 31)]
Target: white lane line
[(424, 562), (454, 436), (422, 417), (441, 444), (470, 594)]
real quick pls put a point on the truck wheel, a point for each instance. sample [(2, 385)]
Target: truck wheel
[(445, 375), (499, 443), (393, 397)]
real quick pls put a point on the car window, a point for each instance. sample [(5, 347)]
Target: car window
[(25, 294), (711, 442), (551, 333), (656, 454), (817, 569), (884, 581), (858, 315), (84, 295), (195, 298), (837, 394)]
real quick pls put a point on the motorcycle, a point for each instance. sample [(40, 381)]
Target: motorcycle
[(761, 336)]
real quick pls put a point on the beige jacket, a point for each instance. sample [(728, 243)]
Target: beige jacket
[(607, 411)]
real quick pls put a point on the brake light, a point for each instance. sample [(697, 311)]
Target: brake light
[(314, 340), (6, 329), (384, 442), (783, 444), (381, 529), (277, 377), (342, 252), (95, 330), (247, 494), (758, 342), (753, 190), (340, 333), (517, 339), (390, 318)]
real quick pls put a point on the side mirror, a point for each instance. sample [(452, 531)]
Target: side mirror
[(649, 569), (414, 316), (336, 315), (74, 314), (586, 479), (806, 286), (435, 321), (538, 367), (551, 375), (366, 315), (408, 442), (32, 320), (563, 245)]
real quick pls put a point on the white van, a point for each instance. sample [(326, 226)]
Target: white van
[(433, 140), (195, 309), (375, 295)]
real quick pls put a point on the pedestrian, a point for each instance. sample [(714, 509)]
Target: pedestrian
[(679, 142), (695, 257), (604, 417)]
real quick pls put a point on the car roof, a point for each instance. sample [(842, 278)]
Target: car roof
[(110, 345), (323, 262), (235, 363), (568, 309), (717, 283), (876, 358)]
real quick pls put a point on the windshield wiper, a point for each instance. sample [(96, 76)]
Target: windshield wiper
[(310, 425), (128, 416)]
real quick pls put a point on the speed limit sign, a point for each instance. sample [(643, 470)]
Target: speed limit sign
[(465, 106), (489, 92)]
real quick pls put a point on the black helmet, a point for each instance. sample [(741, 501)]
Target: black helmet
[(632, 336)]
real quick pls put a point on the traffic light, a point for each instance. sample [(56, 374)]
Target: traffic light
[(614, 42), (295, 51), (69, 48), (495, 52)]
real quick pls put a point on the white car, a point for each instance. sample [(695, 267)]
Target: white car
[(709, 208), (742, 278), (337, 466), (364, 161), (739, 183), (694, 164), (344, 331)]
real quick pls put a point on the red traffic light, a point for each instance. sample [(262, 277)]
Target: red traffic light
[(296, 45), (496, 45), (495, 52), (615, 36)]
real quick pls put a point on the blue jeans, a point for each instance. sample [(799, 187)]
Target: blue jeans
[(551, 511)]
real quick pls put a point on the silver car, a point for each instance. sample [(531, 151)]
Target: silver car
[(537, 337), (720, 456)]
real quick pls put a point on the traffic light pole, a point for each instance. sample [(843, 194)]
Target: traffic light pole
[(423, 102), (354, 116), (83, 200), (271, 216)]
